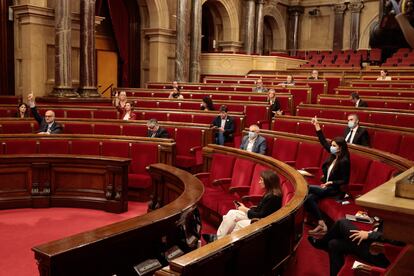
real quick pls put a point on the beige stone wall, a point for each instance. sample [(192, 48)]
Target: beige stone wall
[(34, 35)]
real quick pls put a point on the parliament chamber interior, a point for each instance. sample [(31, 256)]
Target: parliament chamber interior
[(216, 137)]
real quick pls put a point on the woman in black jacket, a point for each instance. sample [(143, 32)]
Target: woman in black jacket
[(336, 170), (237, 219)]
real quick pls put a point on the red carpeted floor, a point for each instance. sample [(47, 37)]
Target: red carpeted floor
[(21, 229)]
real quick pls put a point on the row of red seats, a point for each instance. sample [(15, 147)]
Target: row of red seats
[(381, 92), (142, 153), (189, 140), (385, 103), (231, 178), (368, 115), (383, 84), (396, 142)]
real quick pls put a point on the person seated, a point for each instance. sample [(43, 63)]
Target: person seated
[(240, 217), (253, 142), (355, 134), (129, 113), (345, 238), (175, 85), (120, 100), (259, 87), (224, 125), (155, 131), (47, 124), (384, 76), (22, 111), (314, 75), (176, 94), (357, 100), (207, 104), (289, 81), (336, 171), (274, 103)]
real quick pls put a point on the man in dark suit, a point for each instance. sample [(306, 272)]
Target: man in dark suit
[(355, 134), (155, 131), (47, 124), (345, 238), (224, 125), (357, 100), (253, 142)]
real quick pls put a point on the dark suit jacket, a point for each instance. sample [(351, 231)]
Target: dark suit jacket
[(161, 133), (361, 136), (340, 172), (228, 126), (269, 204), (275, 107), (259, 145), (362, 104), (54, 129)]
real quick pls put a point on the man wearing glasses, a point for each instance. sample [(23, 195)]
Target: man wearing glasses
[(47, 125), (155, 131)]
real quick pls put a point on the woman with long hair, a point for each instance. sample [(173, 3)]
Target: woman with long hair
[(336, 170), (207, 104), (22, 111), (236, 219)]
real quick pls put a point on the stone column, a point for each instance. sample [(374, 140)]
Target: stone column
[(338, 36), (355, 8), (259, 26), (293, 38), (87, 74), (195, 46), (63, 51), (181, 39), (249, 26)]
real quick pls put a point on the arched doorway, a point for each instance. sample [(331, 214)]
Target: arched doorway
[(268, 35), (207, 29)]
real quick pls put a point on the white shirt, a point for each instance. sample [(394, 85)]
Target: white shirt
[(223, 122), (250, 145), (386, 78), (49, 126), (328, 174), (126, 117), (352, 133)]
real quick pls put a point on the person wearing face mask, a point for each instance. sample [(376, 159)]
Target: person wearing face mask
[(355, 134), (253, 142), (336, 170)]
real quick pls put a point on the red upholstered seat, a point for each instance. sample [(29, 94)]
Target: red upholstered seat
[(78, 113), (306, 128), (404, 120), (406, 148), (202, 119), (172, 104), (256, 114), (20, 147), (75, 128), (382, 118), (285, 150), (15, 128), (221, 167), (107, 129), (187, 105), (142, 155), (288, 191), (285, 125), (332, 130), (188, 147), (387, 141), (180, 117), (134, 130), (47, 146), (308, 156), (85, 147), (117, 149), (160, 116), (241, 176), (105, 114)]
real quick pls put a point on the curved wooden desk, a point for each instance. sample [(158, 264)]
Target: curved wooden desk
[(42, 180)]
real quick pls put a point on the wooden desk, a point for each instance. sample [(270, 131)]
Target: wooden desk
[(40, 181)]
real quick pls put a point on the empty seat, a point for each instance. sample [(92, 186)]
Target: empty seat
[(85, 147), (20, 147), (142, 155), (47, 146)]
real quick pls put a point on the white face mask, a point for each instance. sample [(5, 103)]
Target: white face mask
[(252, 135), (351, 124)]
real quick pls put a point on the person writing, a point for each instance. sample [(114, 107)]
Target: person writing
[(253, 142), (336, 171), (47, 124), (155, 131), (224, 125), (240, 217)]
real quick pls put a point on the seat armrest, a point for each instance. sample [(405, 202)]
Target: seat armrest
[(221, 181), (239, 189), (251, 198), (194, 149), (290, 163), (312, 170), (202, 175)]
